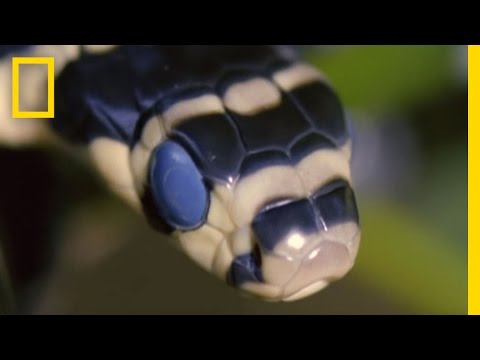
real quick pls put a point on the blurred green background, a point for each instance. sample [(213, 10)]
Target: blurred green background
[(408, 111)]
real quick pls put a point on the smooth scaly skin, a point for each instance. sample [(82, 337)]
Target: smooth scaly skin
[(266, 134)]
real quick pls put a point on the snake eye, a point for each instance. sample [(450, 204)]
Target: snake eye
[(179, 192)]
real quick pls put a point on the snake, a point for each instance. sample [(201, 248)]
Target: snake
[(240, 153)]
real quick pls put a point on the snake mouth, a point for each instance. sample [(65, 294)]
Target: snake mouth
[(328, 262), (307, 291), (287, 278)]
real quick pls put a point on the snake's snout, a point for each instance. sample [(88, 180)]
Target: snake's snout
[(298, 271), (327, 262), (300, 246)]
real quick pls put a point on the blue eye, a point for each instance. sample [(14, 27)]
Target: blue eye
[(177, 187)]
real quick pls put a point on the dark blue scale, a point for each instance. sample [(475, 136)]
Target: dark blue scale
[(336, 203), (245, 268), (261, 160), (309, 144), (323, 109), (215, 143), (276, 223)]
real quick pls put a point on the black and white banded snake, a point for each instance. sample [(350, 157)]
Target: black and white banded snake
[(242, 153)]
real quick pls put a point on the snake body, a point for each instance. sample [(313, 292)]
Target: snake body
[(241, 153)]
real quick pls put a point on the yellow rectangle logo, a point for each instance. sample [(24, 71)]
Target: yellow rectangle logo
[(473, 179), (16, 112)]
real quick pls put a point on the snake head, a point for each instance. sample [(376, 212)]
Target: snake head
[(253, 180), (279, 232)]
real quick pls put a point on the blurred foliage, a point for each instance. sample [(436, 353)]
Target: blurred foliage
[(378, 78), (410, 259), (445, 203)]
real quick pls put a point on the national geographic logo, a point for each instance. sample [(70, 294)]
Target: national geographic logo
[(18, 113)]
